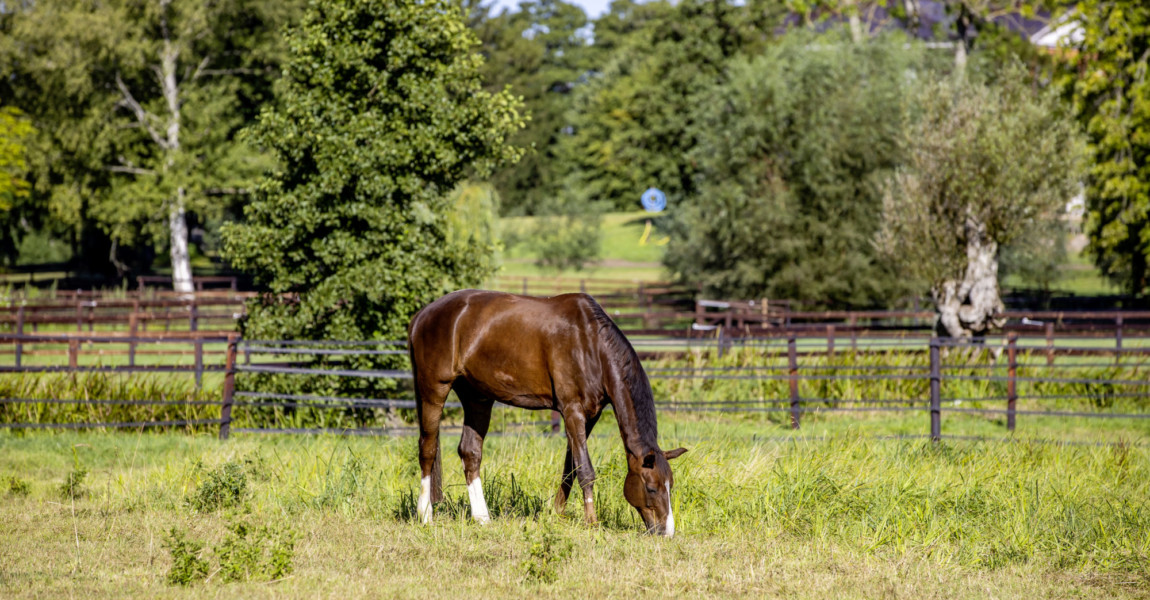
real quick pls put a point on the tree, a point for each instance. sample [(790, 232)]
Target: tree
[(379, 115), (539, 53), (632, 124), (985, 164), (14, 133), (138, 104), (1111, 93), (791, 151)]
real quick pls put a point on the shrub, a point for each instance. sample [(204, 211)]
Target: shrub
[(187, 566), (225, 486)]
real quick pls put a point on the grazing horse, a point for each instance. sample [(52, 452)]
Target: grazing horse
[(562, 353)]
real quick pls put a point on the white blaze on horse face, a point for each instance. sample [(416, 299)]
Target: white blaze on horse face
[(424, 506), (478, 503), (670, 527)]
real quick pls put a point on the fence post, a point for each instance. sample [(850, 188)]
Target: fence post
[(793, 363), (133, 329), (1118, 339), (199, 364), (79, 315), (830, 341), (698, 312), (1049, 342), (229, 389), (247, 352), (935, 392), (1011, 373), (73, 354), (193, 317), (19, 332), (554, 422)]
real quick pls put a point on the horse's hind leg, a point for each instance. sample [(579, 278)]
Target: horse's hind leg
[(430, 397), (476, 419)]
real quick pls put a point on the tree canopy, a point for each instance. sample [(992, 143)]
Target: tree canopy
[(791, 154), (137, 106), (1111, 92), (380, 114), (985, 164)]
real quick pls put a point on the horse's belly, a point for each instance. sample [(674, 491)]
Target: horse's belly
[(508, 388)]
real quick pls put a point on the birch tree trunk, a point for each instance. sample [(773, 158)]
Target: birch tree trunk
[(177, 218), (178, 232), (966, 307)]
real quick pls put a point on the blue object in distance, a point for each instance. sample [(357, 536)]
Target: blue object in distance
[(654, 200)]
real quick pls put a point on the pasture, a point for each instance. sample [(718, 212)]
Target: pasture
[(841, 514)]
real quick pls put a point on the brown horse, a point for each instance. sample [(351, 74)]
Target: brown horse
[(562, 353)]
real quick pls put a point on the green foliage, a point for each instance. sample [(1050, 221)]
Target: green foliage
[(226, 486), (137, 106), (18, 487), (567, 234), (263, 554), (380, 115), (539, 53), (994, 155), (791, 152), (633, 123), (546, 551), (15, 131), (1111, 93), (187, 564), (247, 553), (73, 485), (473, 219)]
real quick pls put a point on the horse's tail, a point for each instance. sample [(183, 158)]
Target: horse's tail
[(437, 466)]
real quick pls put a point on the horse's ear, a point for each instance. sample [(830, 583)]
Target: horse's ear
[(676, 453), (649, 461)]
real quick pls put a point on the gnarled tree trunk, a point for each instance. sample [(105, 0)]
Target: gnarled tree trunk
[(966, 307)]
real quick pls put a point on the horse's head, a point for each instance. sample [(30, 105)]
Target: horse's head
[(648, 489)]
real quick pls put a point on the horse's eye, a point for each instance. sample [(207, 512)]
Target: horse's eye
[(651, 490)]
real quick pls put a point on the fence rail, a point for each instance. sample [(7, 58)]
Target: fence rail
[(295, 358)]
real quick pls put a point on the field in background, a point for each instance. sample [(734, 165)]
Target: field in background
[(623, 256), (848, 517)]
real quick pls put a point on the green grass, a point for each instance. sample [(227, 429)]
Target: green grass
[(844, 517), (623, 256)]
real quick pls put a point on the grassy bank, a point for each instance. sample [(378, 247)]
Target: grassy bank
[(843, 517)]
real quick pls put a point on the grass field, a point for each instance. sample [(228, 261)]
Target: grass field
[(847, 516)]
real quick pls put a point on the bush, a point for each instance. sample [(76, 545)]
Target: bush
[(225, 486), (187, 566)]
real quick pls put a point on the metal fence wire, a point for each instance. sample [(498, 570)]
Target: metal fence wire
[(296, 358)]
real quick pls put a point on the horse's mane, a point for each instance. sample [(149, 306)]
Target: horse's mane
[(642, 400)]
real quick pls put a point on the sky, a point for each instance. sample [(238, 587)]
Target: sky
[(593, 8)]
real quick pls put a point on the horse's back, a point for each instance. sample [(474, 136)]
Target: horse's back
[(506, 345)]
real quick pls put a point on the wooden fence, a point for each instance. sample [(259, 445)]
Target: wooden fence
[(292, 358)]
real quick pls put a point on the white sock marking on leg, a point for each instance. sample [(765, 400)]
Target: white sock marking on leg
[(478, 504), (424, 507), (670, 528)]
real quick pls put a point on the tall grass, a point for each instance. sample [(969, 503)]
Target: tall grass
[(981, 506)]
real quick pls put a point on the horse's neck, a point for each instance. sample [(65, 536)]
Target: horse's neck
[(636, 441)]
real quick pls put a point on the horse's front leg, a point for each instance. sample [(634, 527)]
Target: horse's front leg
[(578, 428)]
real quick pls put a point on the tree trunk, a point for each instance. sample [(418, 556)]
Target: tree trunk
[(178, 234), (177, 219), (966, 307)]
